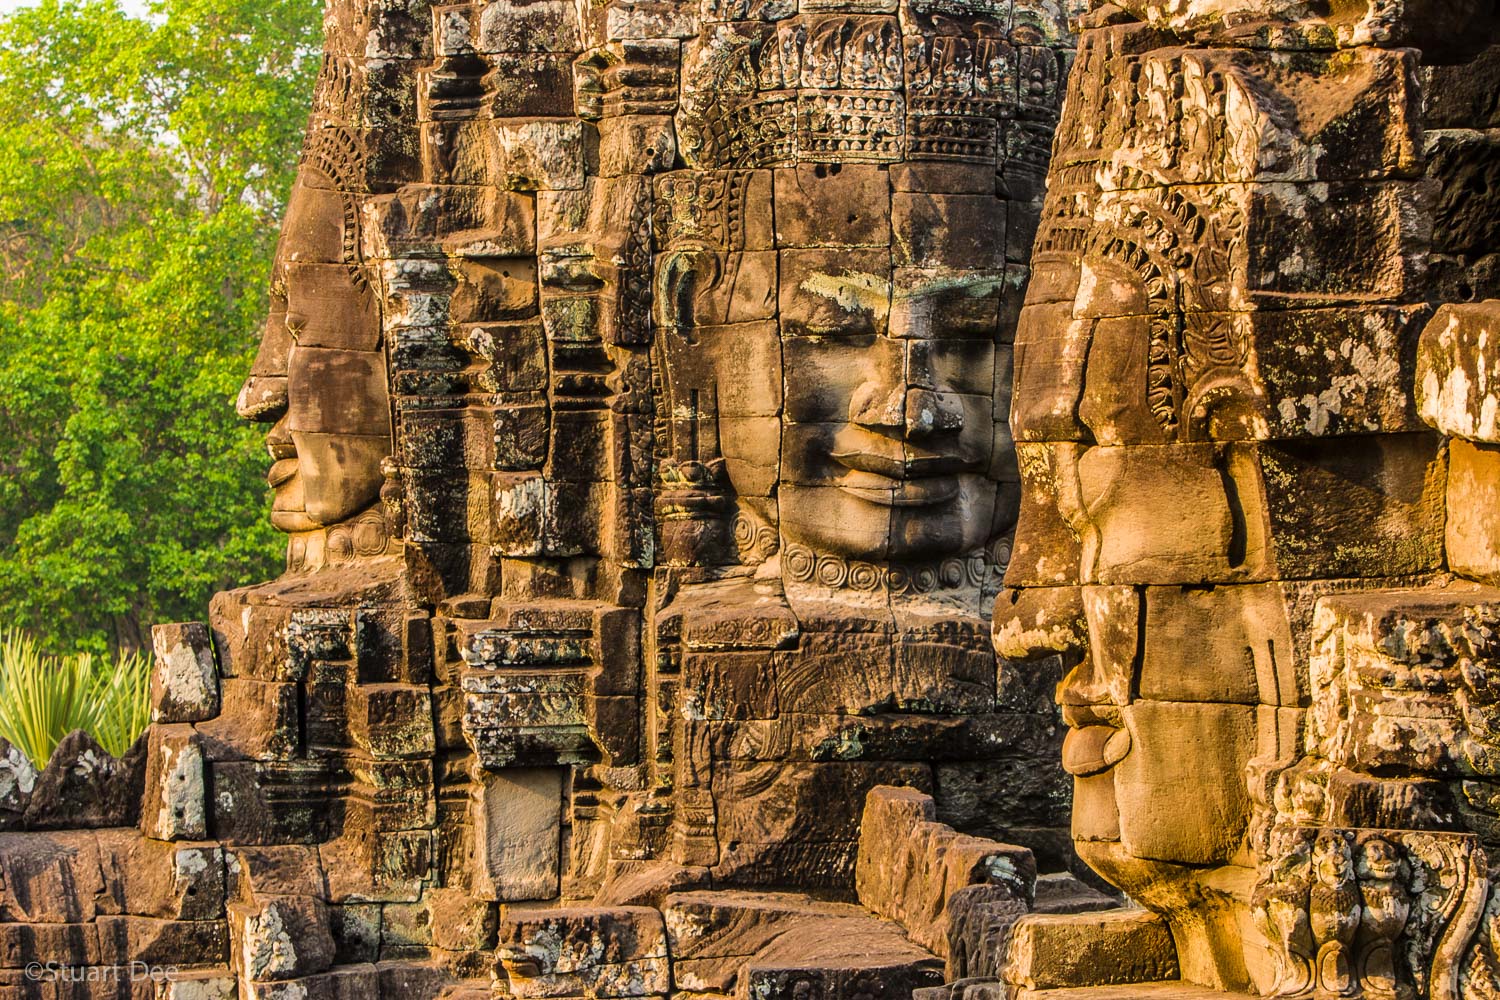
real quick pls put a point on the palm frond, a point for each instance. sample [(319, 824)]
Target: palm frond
[(44, 698)]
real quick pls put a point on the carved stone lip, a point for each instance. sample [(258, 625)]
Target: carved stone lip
[(909, 468), (908, 480), (279, 443), (281, 471), (888, 492), (1093, 750)]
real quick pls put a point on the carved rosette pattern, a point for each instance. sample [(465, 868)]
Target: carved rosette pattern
[(803, 565)]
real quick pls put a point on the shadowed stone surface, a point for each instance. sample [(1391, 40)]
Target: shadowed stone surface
[(637, 383)]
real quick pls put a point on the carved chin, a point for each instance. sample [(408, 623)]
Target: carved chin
[(842, 522), (288, 509), (292, 521), (304, 503), (297, 508)]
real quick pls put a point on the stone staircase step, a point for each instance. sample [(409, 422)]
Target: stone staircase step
[(594, 951), (1061, 892), (1054, 951), (1164, 990), (199, 984), (727, 942), (841, 959)]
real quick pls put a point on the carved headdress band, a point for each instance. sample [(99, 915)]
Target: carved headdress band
[(332, 159), (840, 87)]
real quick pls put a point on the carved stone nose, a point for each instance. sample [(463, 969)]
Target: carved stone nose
[(929, 412), (914, 412), (878, 404), (262, 398)]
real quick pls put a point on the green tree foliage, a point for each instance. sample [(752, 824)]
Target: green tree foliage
[(144, 163)]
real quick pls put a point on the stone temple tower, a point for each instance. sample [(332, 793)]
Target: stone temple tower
[(740, 459)]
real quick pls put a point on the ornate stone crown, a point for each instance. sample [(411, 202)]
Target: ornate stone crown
[(866, 87)]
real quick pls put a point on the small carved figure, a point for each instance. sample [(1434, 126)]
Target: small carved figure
[(1333, 910), (1385, 904), (1280, 904)]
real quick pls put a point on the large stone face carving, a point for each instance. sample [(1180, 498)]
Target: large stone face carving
[(637, 377), (1227, 487), (320, 376), (832, 299), (883, 444)]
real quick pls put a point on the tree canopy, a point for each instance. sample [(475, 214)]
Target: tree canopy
[(146, 163)]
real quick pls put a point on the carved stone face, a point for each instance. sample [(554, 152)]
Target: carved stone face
[(889, 434), (1163, 707), (855, 386), (1155, 516), (320, 375)]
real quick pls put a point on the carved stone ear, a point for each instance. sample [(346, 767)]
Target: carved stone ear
[(680, 276), (1226, 407), (588, 82)]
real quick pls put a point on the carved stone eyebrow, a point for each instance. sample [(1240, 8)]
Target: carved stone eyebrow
[(851, 290), (973, 285)]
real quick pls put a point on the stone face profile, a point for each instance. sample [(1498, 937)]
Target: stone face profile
[(321, 374), (745, 462), (1238, 525)]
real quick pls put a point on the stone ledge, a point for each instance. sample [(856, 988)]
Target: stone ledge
[(1058, 951)]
